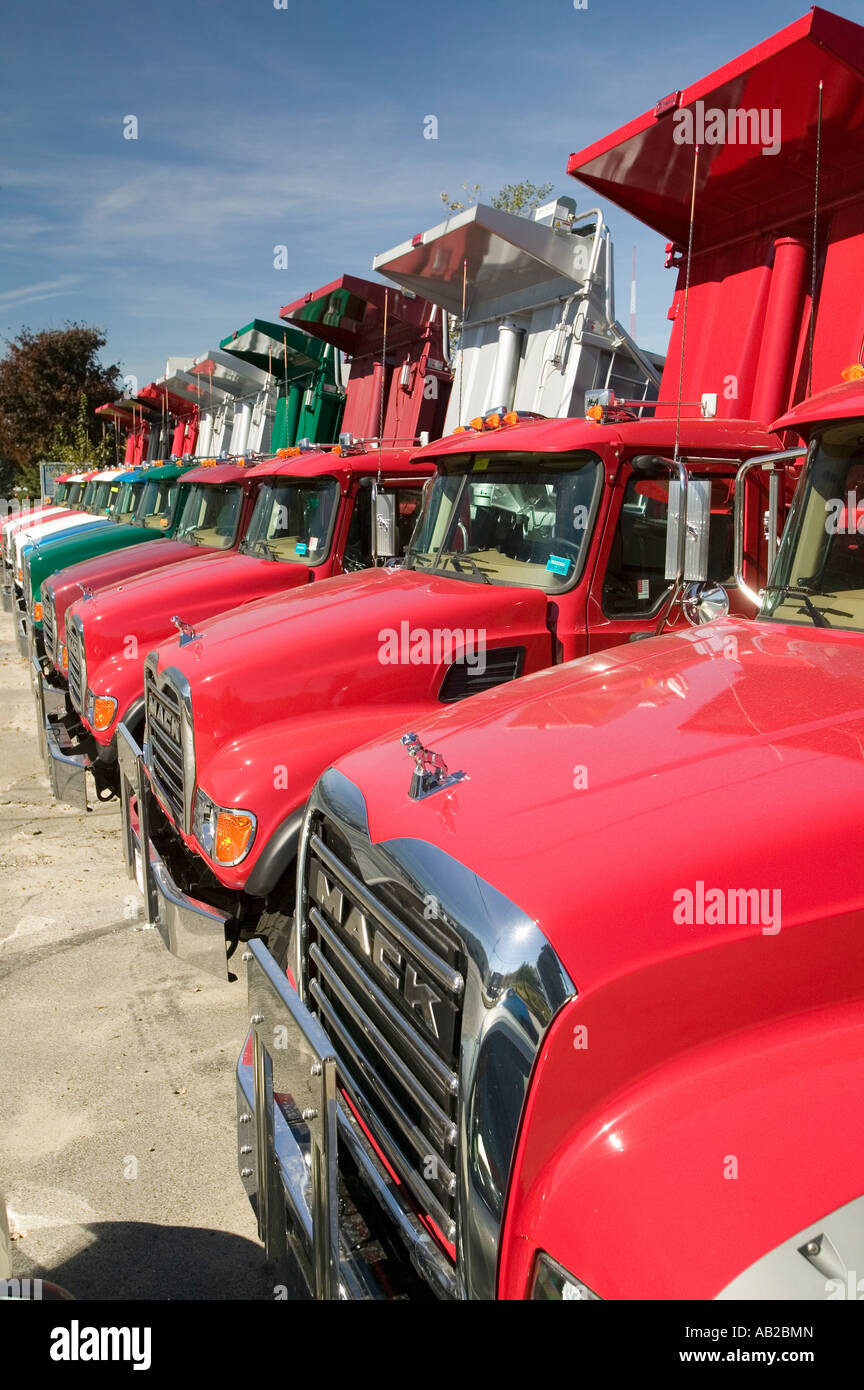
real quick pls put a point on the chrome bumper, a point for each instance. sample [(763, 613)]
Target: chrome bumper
[(192, 930), (290, 1123), (67, 768), (21, 639)]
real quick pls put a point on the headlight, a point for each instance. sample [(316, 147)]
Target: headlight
[(100, 711), (224, 835), (552, 1282)]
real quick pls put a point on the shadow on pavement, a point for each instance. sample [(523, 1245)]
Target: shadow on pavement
[(137, 1260)]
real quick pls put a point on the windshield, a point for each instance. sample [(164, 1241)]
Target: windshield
[(210, 515), (156, 503), (60, 493), (88, 496), (101, 497), (111, 499), (127, 497), (818, 576), (293, 521), (74, 497), (509, 519)]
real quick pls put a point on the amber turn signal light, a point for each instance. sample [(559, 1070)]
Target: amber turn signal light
[(853, 373), (37, 612), (233, 833), (104, 709)]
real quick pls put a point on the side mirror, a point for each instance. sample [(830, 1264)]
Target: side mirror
[(385, 529), (702, 603), (696, 521)]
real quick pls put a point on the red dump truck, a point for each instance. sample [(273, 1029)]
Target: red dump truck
[(561, 1031), (541, 540)]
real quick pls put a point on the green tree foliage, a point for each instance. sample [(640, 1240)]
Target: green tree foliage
[(43, 378), (76, 445), (520, 198)]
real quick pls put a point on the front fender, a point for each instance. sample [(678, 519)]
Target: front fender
[(121, 675), (675, 1184), (272, 771)]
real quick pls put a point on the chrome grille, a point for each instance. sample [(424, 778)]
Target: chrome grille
[(388, 986), (49, 625), (165, 742), (77, 665)]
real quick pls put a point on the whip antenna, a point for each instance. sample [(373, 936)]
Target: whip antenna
[(815, 229), (462, 332)]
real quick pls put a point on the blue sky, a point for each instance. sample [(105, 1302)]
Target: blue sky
[(304, 126)]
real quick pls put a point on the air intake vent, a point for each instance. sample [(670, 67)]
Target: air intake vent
[(488, 669)]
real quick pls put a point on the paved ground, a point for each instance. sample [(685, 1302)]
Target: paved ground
[(117, 1152)]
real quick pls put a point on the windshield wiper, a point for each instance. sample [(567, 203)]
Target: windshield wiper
[(416, 557), (793, 591), (457, 556), (264, 545)]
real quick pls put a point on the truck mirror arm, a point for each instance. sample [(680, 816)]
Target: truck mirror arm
[(773, 464)]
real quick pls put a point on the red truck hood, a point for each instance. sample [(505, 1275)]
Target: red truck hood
[(596, 790), (143, 606), (104, 571), (319, 650)]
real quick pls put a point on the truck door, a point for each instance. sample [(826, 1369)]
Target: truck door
[(357, 553), (629, 590)]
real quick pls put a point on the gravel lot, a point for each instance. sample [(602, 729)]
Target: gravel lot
[(117, 1151)]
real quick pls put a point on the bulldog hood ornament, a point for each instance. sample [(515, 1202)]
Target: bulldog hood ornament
[(186, 630), (430, 770)]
